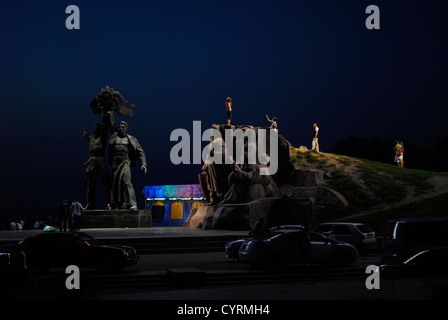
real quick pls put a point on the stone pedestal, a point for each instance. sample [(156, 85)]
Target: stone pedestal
[(243, 216), (116, 219)]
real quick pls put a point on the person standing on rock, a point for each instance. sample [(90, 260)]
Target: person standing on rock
[(229, 110), (315, 142), (273, 122)]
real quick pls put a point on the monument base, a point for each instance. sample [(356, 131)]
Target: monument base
[(116, 219), (243, 216)]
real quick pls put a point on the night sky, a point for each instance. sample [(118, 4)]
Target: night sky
[(177, 61)]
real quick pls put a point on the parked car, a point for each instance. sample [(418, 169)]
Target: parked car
[(52, 250), (16, 280), (232, 248), (361, 236), (404, 238), (425, 272), (281, 246), (427, 262)]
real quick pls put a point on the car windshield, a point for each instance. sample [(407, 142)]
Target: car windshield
[(430, 257), (317, 237), (325, 227), (272, 236), (364, 229), (291, 235), (87, 238)]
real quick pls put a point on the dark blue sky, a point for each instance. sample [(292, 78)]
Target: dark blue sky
[(177, 61)]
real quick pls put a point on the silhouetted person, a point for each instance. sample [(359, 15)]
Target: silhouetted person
[(258, 230), (63, 211), (229, 109), (76, 210)]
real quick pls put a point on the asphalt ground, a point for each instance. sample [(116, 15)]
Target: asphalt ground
[(123, 233), (215, 262)]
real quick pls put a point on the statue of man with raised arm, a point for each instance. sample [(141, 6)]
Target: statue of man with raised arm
[(124, 152)]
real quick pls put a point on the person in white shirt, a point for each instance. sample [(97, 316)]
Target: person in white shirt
[(76, 210), (315, 142), (273, 123)]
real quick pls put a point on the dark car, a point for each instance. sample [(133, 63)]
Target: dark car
[(424, 275), (53, 250), (16, 280), (361, 236), (232, 248), (426, 262), (280, 246), (403, 238)]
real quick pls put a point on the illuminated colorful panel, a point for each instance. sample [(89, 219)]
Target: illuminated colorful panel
[(174, 191), (177, 210)]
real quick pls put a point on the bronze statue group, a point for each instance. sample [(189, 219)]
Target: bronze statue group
[(123, 152)]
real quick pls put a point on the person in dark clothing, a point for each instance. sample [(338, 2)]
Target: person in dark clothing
[(258, 231), (229, 109), (63, 215)]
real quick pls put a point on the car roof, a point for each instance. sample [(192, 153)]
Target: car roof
[(285, 230), (52, 234), (342, 223), (288, 227), (419, 219)]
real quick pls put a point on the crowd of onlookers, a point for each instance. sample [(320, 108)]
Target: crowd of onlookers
[(25, 224), (67, 218)]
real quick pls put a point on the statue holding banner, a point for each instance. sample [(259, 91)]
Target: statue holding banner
[(124, 151), (96, 166)]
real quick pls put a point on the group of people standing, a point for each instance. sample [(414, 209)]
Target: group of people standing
[(70, 215), (399, 148)]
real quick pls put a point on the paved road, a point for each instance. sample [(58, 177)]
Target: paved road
[(314, 288), (215, 262), (211, 261)]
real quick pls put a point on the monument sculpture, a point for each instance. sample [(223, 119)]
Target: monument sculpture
[(238, 195), (124, 151), (95, 166)]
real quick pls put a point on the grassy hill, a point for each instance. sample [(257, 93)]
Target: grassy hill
[(376, 191)]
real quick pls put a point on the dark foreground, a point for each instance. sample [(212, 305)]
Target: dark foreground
[(183, 276)]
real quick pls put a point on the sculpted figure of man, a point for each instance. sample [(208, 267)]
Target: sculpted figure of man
[(124, 153), (96, 166)]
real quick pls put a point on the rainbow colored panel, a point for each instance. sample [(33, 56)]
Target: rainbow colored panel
[(174, 191)]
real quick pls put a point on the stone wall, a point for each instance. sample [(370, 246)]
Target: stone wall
[(115, 219)]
